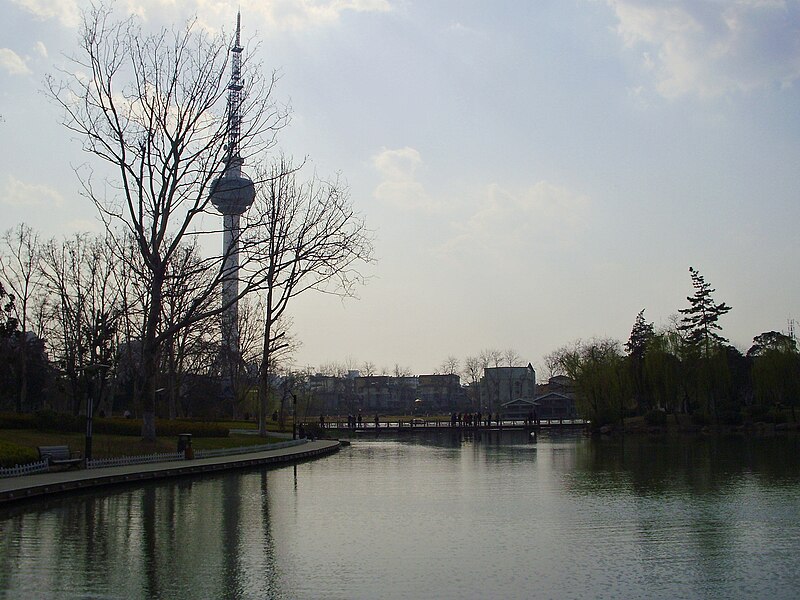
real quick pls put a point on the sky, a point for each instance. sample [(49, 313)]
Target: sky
[(534, 172)]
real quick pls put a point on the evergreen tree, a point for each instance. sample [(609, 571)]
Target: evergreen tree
[(706, 356), (700, 319), (641, 335)]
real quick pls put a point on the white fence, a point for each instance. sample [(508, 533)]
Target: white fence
[(28, 469), (121, 461)]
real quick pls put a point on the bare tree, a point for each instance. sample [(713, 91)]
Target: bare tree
[(491, 357), (399, 371), (86, 306), (511, 358), (450, 366), (186, 277), (368, 368), (146, 104), (19, 272), (473, 371), (303, 236), (332, 369)]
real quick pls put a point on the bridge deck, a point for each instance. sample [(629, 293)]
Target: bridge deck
[(446, 425)]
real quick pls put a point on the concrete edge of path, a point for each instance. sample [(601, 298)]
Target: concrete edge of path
[(16, 489)]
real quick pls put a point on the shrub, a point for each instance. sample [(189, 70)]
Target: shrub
[(656, 418), (17, 421), (700, 419), (313, 430), (780, 417), (115, 426), (759, 413), (47, 420), (730, 417), (164, 427), (12, 455)]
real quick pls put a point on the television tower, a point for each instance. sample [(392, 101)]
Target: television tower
[(232, 194)]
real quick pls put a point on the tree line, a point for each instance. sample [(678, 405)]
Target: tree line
[(687, 367), (142, 301)]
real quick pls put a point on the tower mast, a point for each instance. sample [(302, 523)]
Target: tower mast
[(232, 194)]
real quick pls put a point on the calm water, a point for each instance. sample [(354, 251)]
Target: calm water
[(439, 516)]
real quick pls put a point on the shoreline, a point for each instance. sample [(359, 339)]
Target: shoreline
[(17, 489)]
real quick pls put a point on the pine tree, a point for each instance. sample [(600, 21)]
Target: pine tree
[(700, 326), (700, 320), (641, 334)]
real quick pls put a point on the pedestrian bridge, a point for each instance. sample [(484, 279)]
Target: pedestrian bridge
[(421, 424)]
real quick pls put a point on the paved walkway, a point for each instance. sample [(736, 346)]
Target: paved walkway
[(14, 489)]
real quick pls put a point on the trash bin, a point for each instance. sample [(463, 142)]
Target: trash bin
[(184, 441)]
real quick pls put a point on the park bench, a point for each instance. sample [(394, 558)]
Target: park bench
[(58, 456)]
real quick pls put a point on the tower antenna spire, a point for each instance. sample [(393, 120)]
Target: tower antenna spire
[(234, 159)]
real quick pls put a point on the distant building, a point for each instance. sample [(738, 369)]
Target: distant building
[(501, 385), (556, 399), (333, 395), (441, 394), (387, 395), (519, 409)]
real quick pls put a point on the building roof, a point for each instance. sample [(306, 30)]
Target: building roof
[(518, 402)]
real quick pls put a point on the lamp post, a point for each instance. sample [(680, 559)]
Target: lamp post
[(92, 371), (294, 416)]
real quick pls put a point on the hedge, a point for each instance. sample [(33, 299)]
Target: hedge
[(17, 421), (12, 455), (51, 421)]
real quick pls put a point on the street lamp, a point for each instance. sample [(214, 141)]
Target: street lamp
[(92, 371), (294, 416)]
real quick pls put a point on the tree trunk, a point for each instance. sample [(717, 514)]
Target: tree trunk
[(22, 393), (263, 388), (150, 359)]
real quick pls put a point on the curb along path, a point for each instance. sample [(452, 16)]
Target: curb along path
[(14, 489)]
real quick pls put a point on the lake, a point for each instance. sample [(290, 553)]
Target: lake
[(435, 515)]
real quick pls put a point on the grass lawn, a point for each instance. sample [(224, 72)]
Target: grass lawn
[(104, 446)]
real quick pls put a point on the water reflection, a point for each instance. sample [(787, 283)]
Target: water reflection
[(693, 464), (454, 515)]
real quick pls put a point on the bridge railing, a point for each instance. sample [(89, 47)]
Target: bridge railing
[(446, 424)]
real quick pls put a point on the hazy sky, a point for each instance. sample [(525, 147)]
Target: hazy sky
[(535, 171)]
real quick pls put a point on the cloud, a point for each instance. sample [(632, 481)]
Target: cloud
[(459, 28), (66, 12), (19, 193), (708, 48), (12, 62), (302, 14), (400, 187), (275, 14), (508, 221), (40, 49)]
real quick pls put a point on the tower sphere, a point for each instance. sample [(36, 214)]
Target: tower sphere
[(233, 193)]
